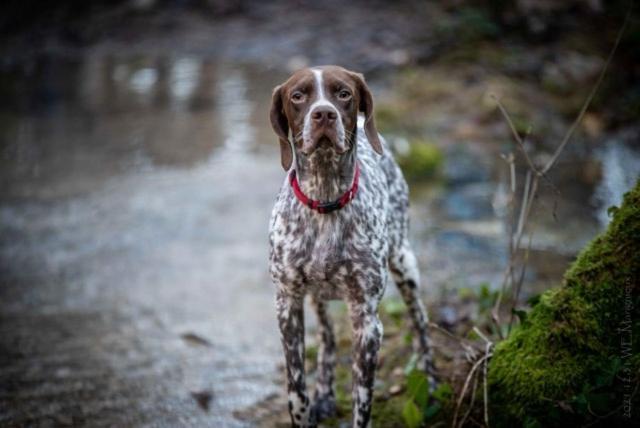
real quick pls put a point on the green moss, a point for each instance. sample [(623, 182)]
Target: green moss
[(423, 160), (388, 412), (311, 353), (567, 358)]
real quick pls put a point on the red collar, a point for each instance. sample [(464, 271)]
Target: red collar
[(325, 207)]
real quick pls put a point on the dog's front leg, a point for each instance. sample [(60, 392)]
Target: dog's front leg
[(367, 334), (291, 321), (324, 400)]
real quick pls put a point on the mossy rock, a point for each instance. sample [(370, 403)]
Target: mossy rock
[(423, 160), (574, 357)]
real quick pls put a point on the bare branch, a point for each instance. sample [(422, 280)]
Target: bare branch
[(471, 402), (470, 351), (486, 388), (586, 104), (516, 136), (479, 333), (523, 207), (466, 386)]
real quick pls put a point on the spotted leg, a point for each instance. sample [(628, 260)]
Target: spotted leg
[(324, 400), (290, 311), (404, 269), (367, 335)]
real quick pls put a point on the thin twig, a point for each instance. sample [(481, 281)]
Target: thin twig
[(448, 333), (479, 333), (595, 88), (470, 351), (466, 386), (515, 133), (520, 280), (471, 402), (487, 353), (486, 388), (495, 312), (521, 145), (524, 205)]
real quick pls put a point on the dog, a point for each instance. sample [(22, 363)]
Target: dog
[(338, 228)]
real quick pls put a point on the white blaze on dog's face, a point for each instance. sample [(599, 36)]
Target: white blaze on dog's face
[(320, 107), (323, 122)]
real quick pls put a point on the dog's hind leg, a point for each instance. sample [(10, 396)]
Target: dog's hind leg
[(290, 311), (404, 269), (324, 400)]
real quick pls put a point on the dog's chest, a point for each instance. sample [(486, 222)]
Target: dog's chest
[(326, 248), (324, 251), (328, 242)]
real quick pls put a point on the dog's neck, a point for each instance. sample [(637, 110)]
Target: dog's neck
[(325, 175)]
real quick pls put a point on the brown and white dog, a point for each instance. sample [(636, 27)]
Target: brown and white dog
[(338, 228)]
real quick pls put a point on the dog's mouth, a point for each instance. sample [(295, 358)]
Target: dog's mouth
[(324, 140)]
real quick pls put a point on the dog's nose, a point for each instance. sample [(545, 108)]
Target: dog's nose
[(324, 115)]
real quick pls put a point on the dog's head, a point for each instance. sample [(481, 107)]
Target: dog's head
[(320, 106)]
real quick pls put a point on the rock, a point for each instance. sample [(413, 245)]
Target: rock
[(398, 372), (448, 316), (203, 398), (194, 339), (395, 389)]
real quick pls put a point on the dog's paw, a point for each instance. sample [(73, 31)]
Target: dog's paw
[(324, 407)]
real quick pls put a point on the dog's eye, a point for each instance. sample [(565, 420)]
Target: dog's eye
[(344, 95), (297, 97)]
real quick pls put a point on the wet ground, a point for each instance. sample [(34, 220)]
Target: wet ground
[(136, 191), (131, 228)]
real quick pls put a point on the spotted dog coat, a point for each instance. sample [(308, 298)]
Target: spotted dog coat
[(346, 254)]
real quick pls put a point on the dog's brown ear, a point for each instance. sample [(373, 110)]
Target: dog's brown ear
[(366, 106), (280, 125)]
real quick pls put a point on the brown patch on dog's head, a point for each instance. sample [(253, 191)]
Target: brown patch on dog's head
[(319, 106)]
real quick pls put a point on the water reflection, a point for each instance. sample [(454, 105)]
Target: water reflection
[(121, 195), (235, 111), (621, 168), (141, 80), (185, 74), (80, 122)]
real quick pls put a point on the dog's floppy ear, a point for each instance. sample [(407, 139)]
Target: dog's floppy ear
[(280, 125), (366, 106)]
